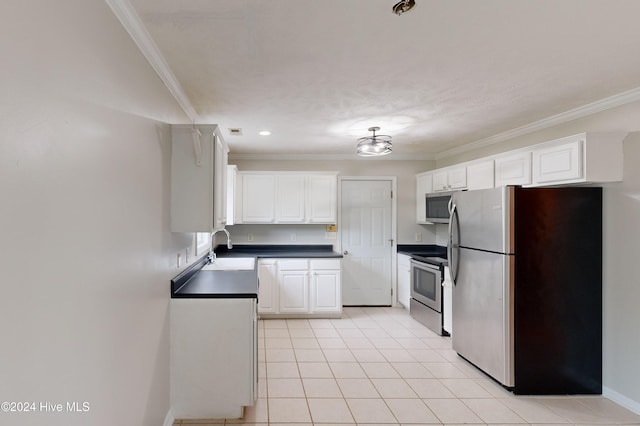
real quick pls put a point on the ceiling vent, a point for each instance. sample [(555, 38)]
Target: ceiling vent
[(403, 6), (235, 131)]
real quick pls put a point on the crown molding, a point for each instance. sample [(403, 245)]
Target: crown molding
[(604, 104), (327, 157), (132, 23)]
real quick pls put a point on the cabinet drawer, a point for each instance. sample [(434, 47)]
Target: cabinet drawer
[(325, 264), (293, 265)]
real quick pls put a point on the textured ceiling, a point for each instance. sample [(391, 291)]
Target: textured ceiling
[(318, 73)]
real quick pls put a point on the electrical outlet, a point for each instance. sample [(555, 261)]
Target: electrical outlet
[(179, 260), (293, 237), (249, 237), (418, 237)]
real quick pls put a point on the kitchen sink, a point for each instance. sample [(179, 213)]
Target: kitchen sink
[(231, 264)]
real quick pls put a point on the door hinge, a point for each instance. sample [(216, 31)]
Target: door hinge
[(391, 292), (392, 195)]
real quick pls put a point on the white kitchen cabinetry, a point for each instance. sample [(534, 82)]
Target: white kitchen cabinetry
[(513, 169), (300, 288), (198, 179), (424, 185), (480, 175), (586, 157), (232, 171), (293, 286), (449, 179), (220, 184), (326, 291), (267, 286), (321, 198), (404, 280), (258, 198), (288, 197), (213, 357)]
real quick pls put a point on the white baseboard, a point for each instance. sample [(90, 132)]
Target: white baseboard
[(169, 419), (620, 399)]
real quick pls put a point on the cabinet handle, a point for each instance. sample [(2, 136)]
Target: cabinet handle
[(345, 252)]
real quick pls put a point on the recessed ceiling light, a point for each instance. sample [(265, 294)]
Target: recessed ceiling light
[(264, 133)]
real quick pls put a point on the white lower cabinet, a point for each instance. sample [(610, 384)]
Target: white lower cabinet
[(326, 291), (268, 286), (299, 288), (293, 286), (404, 280), (213, 357)]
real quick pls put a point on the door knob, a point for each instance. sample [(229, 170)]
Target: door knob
[(345, 252)]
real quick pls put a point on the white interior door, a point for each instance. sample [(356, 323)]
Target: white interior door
[(366, 221)]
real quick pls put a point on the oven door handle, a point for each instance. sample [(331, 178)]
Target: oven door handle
[(454, 262)]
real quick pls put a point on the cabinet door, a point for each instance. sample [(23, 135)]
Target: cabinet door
[(290, 198), (480, 175), (424, 185), (404, 280), (293, 291), (457, 178), (326, 286), (322, 198), (258, 196), (513, 169), (232, 171), (267, 287), (557, 163), (220, 184), (440, 181)]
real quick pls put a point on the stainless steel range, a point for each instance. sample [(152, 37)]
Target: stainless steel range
[(426, 305)]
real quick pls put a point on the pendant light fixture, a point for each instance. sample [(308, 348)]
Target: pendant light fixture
[(375, 145)]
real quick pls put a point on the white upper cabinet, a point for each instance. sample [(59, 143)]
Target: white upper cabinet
[(585, 157), (450, 179), (480, 175), (198, 178), (424, 185), (258, 198), (288, 197), (513, 169), (321, 198), (220, 184), (232, 172)]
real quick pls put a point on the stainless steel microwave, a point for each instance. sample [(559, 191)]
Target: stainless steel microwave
[(437, 207)]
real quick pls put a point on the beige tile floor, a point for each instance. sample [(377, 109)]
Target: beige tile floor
[(377, 366)]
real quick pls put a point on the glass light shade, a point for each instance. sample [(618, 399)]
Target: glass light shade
[(374, 146)]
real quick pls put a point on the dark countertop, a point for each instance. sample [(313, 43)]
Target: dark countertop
[(422, 250), (278, 251), (194, 283), (432, 254)]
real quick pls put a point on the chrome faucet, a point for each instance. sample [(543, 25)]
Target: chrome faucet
[(212, 254)]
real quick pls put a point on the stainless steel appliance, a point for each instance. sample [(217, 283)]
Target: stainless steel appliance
[(426, 304), (437, 207), (526, 267)]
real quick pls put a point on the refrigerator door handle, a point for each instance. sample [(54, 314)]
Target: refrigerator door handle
[(453, 264)]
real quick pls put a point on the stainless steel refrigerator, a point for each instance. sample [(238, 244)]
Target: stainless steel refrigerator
[(526, 264)]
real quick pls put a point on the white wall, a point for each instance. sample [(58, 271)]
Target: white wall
[(85, 251), (621, 246), (405, 172)]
